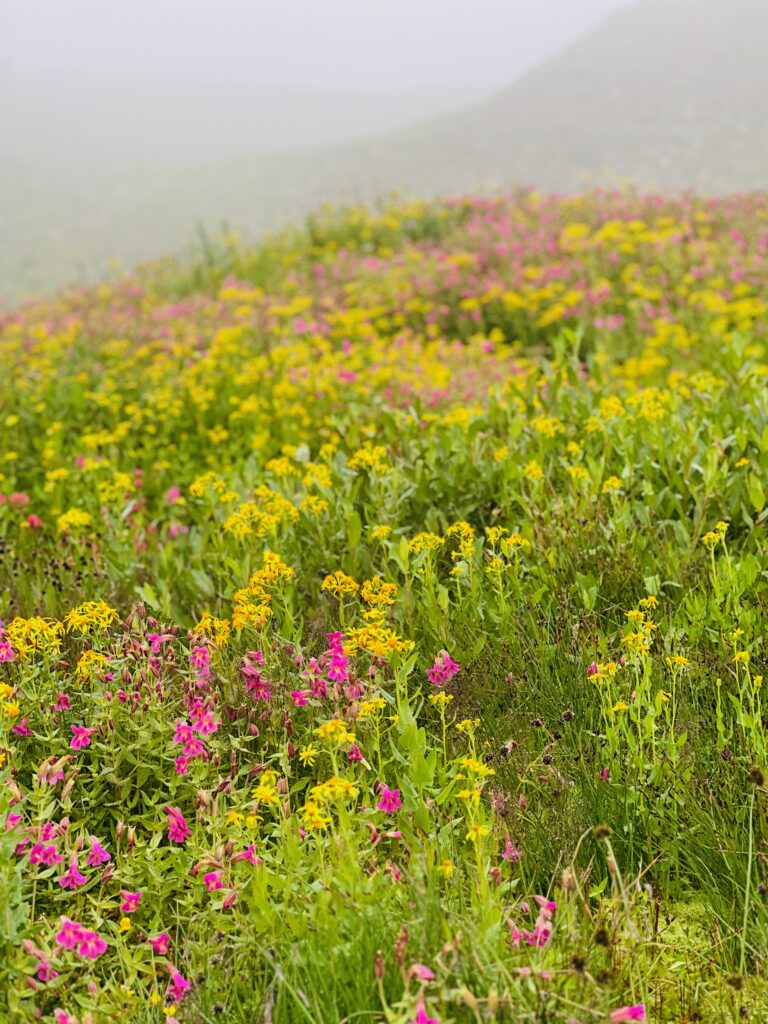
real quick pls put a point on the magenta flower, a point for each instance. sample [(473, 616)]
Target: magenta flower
[(62, 702), (47, 855), (443, 669), (510, 853), (130, 900), (45, 972), (390, 800), (178, 830), (213, 881), (181, 764), (98, 855), (422, 1017), (299, 697), (628, 1013), (21, 728), (81, 737), (72, 878), (62, 1017), (422, 972), (178, 986), (7, 652), (69, 933), (172, 495), (160, 944), (91, 945), (249, 854)]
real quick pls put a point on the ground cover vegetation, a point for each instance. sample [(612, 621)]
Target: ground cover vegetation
[(383, 623)]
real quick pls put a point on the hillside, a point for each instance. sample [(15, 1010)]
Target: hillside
[(668, 94)]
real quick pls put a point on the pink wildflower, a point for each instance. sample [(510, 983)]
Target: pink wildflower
[(422, 972), (422, 1017), (91, 945), (213, 881), (81, 737), (130, 900), (47, 855), (510, 853), (7, 652), (172, 495), (178, 830), (299, 697), (443, 669), (69, 933), (390, 800), (72, 878), (21, 728), (628, 1013), (178, 986), (98, 855), (160, 944)]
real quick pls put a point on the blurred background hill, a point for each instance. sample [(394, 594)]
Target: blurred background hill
[(111, 153)]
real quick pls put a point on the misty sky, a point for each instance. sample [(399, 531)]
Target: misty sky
[(376, 46)]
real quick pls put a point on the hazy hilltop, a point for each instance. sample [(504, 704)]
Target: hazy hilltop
[(669, 94)]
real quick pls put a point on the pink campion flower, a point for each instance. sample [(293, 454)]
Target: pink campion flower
[(47, 855), (194, 748), (299, 697), (69, 933), (178, 830), (160, 944), (636, 1013), (182, 765), (130, 900), (593, 669), (628, 1013), (213, 881), (91, 945), (45, 972), (81, 737), (422, 1017), (205, 723), (21, 728), (354, 753), (422, 972), (200, 661), (443, 669), (172, 495), (72, 878), (249, 854), (510, 853), (34, 522), (7, 652), (62, 703), (12, 821), (62, 1017), (19, 499), (548, 906), (184, 732), (97, 855), (156, 641), (178, 986), (390, 800)]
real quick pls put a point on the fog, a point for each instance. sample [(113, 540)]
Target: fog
[(123, 125), (347, 46)]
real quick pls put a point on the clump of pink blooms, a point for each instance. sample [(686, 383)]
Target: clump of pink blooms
[(444, 668)]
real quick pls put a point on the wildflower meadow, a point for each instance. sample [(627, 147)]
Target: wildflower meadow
[(384, 623)]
